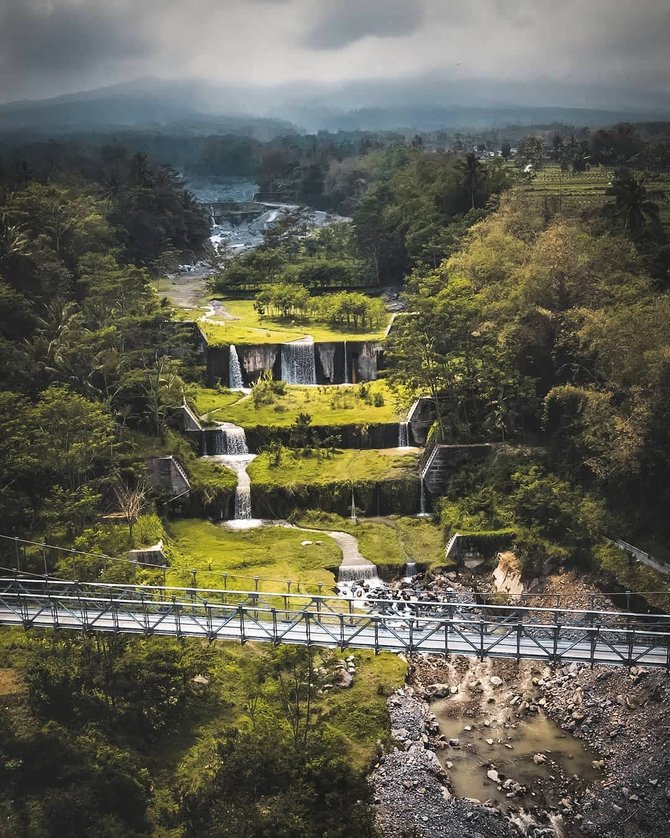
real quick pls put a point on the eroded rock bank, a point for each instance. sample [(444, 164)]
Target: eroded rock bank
[(625, 715), (564, 752)]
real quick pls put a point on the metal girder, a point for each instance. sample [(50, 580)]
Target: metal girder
[(454, 626)]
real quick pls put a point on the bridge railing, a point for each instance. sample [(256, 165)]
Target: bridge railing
[(462, 630), (495, 607)]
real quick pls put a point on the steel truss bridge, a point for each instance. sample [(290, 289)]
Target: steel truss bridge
[(455, 626)]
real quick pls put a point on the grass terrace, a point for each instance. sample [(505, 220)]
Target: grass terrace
[(344, 466), (246, 326), (586, 190), (269, 552), (326, 405), (392, 540)]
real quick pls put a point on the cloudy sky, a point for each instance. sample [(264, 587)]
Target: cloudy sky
[(558, 52)]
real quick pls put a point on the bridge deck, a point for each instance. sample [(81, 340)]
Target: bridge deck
[(453, 627)]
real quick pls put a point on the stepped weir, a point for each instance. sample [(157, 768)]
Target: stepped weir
[(298, 363)]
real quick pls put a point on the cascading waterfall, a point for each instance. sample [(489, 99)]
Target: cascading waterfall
[(346, 365), (403, 434), (227, 440), (235, 381), (238, 463), (353, 505), (298, 365), (243, 494), (410, 569)]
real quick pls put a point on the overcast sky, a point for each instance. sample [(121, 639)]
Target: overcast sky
[(586, 52)]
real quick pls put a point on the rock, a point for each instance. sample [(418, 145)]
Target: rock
[(454, 743), (306, 543), (201, 679), (468, 727), (495, 681), (493, 775), (489, 741), (539, 759), (448, 764), (453, 690), (343, 679), (438, 690)]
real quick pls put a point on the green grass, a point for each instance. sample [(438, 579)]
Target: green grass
[(249, 327), (273, 553), (370, 465), (392, 540), (360, 714), (635, 576), (326, 406)]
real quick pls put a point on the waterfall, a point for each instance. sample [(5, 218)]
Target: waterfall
[(350, 573), (235, 381), (298, 365), (403, 434), (353, 505), (243, 496), (226, 440), (238, 463), (346, 365), (423, 503), (410, 569)]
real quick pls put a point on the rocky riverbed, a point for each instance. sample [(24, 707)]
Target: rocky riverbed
[(569, 752)]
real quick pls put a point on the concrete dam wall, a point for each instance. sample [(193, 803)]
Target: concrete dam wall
[(302, 362)]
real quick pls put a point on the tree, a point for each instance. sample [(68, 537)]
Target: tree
[(73, 436), (472, 172), (130, 502), (632, 207)]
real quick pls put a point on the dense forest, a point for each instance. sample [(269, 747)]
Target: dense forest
[(544, 330)]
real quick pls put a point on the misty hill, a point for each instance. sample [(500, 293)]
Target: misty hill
[(200, 107), (146, 104)]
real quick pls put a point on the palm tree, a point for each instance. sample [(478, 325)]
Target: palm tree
[(472, 173), (632, 206)]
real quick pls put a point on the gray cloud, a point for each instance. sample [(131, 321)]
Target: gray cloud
[(539, 50), (66, 35), (339, 24)]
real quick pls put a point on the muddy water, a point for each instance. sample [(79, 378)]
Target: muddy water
[(509, 748)]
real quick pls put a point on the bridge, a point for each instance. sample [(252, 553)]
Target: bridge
[(517, 629)]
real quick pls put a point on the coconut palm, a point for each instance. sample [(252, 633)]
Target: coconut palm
[(632, 207), (472, 173)]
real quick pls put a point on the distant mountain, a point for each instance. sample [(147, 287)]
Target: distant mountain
[(145, 104), (204, 107), (425, 118)]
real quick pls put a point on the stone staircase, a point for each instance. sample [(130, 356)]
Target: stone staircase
[(439, 461)]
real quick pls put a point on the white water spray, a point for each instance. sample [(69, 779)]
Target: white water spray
[(235, 381)]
